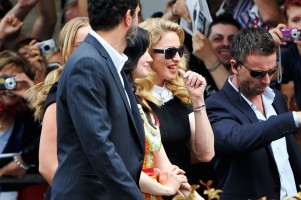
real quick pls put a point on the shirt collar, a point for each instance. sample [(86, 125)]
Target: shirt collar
[(162, 93), (117, 58), (268, 94)]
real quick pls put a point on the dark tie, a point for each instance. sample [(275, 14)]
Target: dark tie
[(135, 111)]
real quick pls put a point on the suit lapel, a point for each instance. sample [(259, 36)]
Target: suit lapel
[(244, 107), (93, 41), (238, 101), (278, 105)]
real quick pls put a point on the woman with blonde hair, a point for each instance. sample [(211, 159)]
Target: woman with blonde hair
[(177, 98), (43, 96), (158, 177)]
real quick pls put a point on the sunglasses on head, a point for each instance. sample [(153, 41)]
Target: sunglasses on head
[(260, 74), (170, 52)]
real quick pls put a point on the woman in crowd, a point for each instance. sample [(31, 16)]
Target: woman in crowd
[(177, 98), (158, 177), (18, 131), (136, 67), (43, 96)]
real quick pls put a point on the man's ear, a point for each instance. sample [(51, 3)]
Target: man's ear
[(234, 66), (128, 18)]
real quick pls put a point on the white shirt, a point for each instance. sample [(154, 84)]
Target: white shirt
[(4, 137), (117, 58), (162, 93), (279, 148)]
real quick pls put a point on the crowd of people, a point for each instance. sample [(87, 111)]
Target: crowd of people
[(121, 107)]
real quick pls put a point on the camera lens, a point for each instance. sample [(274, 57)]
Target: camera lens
[(46, 48), (295, 33), (10, 83)]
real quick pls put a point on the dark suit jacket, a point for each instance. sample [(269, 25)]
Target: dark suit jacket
[(244, 161), (100, 152)]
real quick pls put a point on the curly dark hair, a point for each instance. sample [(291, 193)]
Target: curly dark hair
[(106, 14)]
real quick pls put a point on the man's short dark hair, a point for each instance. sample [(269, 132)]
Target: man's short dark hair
[(226, 19), (106, 14), (252, 41)]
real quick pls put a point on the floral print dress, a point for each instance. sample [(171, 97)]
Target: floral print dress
[(152, 144)]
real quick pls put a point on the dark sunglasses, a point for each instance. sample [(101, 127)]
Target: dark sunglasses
[(260, 74), (170, 52)]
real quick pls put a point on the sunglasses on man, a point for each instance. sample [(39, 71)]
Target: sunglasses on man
[(170, 52), (258, 73)]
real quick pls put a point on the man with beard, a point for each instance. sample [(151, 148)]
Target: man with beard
[(100, 134), (256, 152)]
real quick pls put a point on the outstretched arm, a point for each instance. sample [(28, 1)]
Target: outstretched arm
[(9, 25), (82, 8), (46, 19), (22, 8)]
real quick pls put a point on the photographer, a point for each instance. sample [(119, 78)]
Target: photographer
[(18, 131), (290, 58), (39, 55)]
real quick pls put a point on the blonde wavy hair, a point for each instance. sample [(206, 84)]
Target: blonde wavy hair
[(39, 92), (156, 28)]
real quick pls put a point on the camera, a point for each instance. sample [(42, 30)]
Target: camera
[(290, 34), (7, 82), (47, 46)]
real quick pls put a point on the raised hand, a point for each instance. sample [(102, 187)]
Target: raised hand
[(195, 85), (202, 48), (180, 9), (8, 25), (23, 84), (37, 61), (277, 34)]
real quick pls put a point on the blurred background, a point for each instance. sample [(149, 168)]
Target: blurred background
[(148, 7)]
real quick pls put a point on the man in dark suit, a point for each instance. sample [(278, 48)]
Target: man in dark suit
[(256, 152), (100, 142)]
